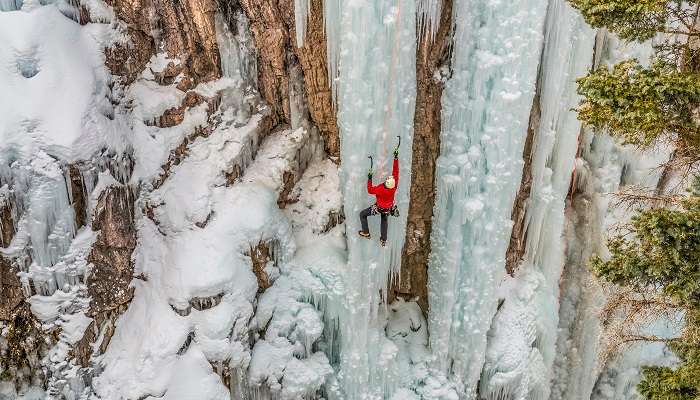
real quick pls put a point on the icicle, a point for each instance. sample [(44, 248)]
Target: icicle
[(478, 174), (333, 20), (301, 18), (429, 12), (10, 5)]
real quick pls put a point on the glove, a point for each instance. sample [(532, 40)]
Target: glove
[(369, 174), (396, 153)]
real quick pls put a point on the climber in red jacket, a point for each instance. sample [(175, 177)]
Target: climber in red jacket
[(385, 200)]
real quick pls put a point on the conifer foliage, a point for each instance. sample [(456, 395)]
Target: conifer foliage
[(645, 105)]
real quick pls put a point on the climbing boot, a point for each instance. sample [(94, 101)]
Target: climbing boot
[(382, 242), (364, 234)]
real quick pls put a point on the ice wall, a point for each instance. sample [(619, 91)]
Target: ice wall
[(486, 105), (602, 167), (526, 325), (371, 58), (374, 46)]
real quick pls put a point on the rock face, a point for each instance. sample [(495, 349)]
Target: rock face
[(11, 295), (314, 62), (259, 257), (516, 247), (271, 37), (273, 27), (7, 224), (77, 195), (433, 57), (20, 356), (185, 29), (108, 282)]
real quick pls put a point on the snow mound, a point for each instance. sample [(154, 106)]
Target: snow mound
[(54, 84)]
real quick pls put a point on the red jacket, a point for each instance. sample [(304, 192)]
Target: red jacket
[(385, 196)]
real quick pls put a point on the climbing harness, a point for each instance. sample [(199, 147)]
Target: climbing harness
[(393, 211)]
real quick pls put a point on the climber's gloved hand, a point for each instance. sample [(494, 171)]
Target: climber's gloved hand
[(396, 153), (369, 174)]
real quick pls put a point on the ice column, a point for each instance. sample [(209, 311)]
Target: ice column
[(604, 167), (374, 44), (525, 327), (486, 105)]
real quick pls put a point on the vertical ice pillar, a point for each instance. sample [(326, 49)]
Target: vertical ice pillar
[(374, 46), (486, 105), (604, 167), (525, 327)]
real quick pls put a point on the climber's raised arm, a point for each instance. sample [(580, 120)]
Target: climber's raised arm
[(370, 188), (395, 167)]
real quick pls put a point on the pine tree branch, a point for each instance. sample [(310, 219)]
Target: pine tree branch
[(677, 32), (682, 20), (648, 338)]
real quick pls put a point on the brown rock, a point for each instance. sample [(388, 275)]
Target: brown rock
[(108, 282), (518, 236), (185, 84), (273, 27), (175, 115), (185, 29), (11, 295), (7, 224), (20, 360), (102, 325), (77, 195), (289, 181), (167, 76), (430, 57), (128, 60), (314, 63), (172, 117), (260, 256), (271, 36)]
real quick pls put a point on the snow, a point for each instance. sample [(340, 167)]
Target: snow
[(48, 308), (194, 379), (54, 82), (323, 327), (193, 252)]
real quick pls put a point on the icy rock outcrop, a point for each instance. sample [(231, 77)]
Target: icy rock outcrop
[(274, 30), (433, 57), (112, 268), (187, 33), (11, 293), (22, 346)]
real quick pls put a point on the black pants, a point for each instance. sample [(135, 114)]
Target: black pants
[(374, 210)]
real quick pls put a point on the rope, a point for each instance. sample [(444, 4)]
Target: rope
[(392, 78)]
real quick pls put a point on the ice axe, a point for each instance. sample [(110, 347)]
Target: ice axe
[(396, 150)]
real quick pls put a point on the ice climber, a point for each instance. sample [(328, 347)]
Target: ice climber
[(384, 205)]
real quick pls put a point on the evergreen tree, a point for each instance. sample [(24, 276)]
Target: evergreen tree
[(662, 255), (642, 106)]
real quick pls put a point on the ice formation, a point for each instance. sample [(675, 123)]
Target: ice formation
[(249, 279), (479, 171)]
